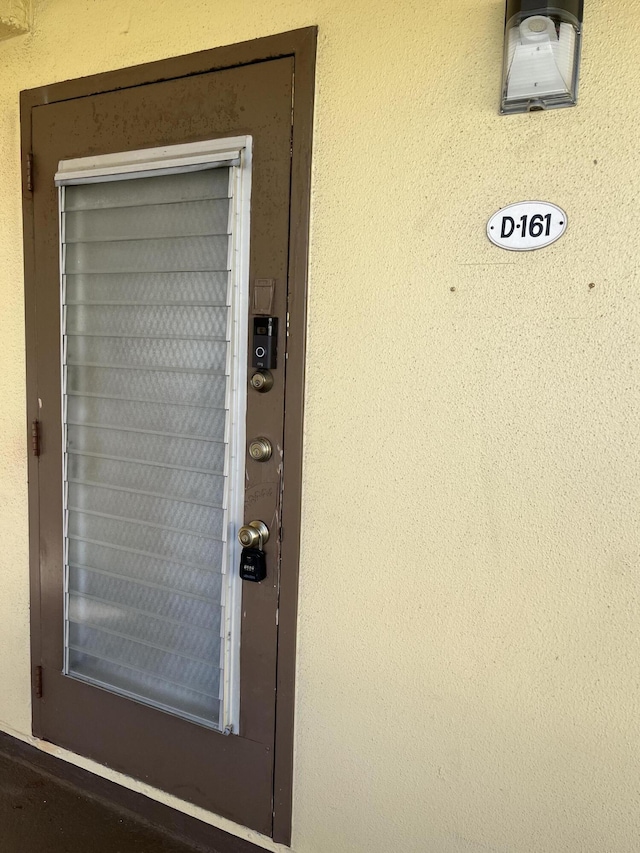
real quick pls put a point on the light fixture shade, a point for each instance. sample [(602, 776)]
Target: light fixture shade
[(541, 55)]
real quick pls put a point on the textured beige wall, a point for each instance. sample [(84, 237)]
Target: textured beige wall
[(471, 683), (14, 17)]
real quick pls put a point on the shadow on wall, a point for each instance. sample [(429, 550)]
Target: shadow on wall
[(15, 18)]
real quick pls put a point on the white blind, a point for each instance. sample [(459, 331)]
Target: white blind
[(146, 367)]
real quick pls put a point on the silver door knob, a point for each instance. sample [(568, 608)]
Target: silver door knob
[(253, 535), (262, 381), (260, 449)]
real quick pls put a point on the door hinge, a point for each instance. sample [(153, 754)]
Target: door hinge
[(35, 438), (29, 172), (37, 682)]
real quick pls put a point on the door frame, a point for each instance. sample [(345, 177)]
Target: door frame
[(300, 45)]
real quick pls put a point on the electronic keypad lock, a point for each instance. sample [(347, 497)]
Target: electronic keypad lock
[(265, 342)]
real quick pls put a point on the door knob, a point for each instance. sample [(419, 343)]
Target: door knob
[(253, 535), (260, 449), (262, 381)]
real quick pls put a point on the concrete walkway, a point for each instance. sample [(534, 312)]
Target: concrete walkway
[(41, 814)]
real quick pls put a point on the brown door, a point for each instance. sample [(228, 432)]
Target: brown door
[(229, 773)]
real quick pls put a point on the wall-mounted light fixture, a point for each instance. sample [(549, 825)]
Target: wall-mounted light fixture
[(541, 55)]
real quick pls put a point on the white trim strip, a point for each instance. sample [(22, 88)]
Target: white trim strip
[(151, 161)]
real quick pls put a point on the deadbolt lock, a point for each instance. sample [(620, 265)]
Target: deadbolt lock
[(260, 449), (253, 535), (262, 381)]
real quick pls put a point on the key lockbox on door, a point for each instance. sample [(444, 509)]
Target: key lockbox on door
[(253, 565)]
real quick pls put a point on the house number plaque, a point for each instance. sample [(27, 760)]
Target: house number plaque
[(527, 225)]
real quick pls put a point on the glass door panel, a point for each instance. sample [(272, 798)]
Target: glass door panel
[(150, 304)]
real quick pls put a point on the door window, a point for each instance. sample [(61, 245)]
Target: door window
[(154, 294)]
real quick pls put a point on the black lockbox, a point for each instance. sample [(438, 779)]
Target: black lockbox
[(253, 565)]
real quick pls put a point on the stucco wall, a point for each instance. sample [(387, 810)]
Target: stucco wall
[(14, 17), (472, 683)]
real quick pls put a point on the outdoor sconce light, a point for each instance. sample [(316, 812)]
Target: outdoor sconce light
[(541, 55)]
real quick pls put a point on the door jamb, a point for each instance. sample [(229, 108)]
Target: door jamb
[(301, 46)]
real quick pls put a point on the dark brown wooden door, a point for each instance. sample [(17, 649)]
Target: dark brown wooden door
[(229, 774)]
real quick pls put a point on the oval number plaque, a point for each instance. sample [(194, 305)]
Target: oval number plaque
[(527, 225)]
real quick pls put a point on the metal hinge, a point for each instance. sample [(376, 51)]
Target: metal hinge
[(35, 438), (30, 172), (37, 682)]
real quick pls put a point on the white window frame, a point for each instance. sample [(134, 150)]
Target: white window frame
[(236, 153)]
